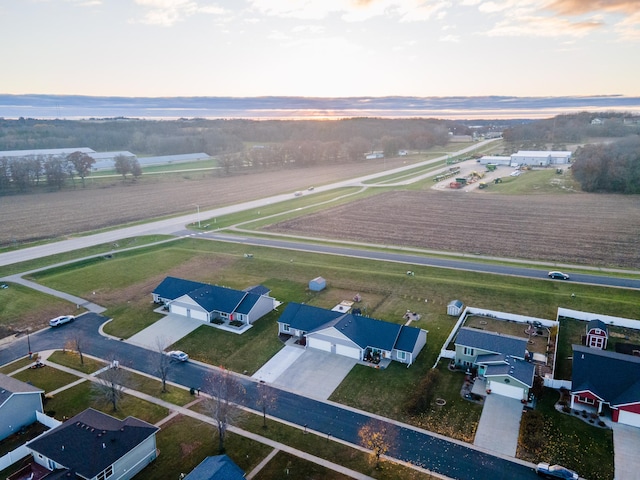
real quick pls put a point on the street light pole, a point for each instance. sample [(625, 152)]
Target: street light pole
[(198, 207), (29, 343)]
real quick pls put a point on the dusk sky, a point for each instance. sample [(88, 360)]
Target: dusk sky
[(323, 48)]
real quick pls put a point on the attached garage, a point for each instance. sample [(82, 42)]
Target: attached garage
[(348, 351), (510, 391), (319, 344), (629, 418)]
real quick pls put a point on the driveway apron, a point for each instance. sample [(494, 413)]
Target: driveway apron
[(278, 364), (626, 445), (167, 330), (499, 425)]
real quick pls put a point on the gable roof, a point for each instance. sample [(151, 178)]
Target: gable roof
[(10, 386), (614, 377), (220, 467), (591, 324), (520, 370), (257, 289), (363, 331), (172, 287), (91, 441), (211, 297), (492, 342)]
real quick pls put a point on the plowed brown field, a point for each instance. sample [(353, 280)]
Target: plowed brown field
[(38, 216), (590, 229)]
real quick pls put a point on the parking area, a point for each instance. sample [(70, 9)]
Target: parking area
[(499, 425), (167, 331), (309, 372)]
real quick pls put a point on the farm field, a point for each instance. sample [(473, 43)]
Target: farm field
[(589, 229), (38, 216)]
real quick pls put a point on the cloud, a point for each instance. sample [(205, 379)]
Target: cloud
[(169, 12), (539, 26), (450, 39), (581, 7)]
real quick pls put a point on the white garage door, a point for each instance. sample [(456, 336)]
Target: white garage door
[(629, 418), (198, 315), (348, 351), (319, 344), (178, 310), (506, 390)]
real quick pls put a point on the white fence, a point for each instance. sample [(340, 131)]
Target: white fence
[(22, 451), (587, 317), (13, 456), (553, 383)]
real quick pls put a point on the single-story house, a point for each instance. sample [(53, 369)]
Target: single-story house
[(96, 446), (19, 403), (317, 284), (351, 335), (219, 467), (602, 378), (502, 361), (210, 302), (597, 334), (455, 307)]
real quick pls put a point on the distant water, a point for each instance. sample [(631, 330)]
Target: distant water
[(75, 107)]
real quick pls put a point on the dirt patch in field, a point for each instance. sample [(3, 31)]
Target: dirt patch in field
[(39, 216), (588, 229)]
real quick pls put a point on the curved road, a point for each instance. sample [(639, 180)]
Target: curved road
[(446, 457)]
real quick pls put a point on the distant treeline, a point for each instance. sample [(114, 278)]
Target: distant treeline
[(238, 145)]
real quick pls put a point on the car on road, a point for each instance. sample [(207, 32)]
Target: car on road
[(558, 275), (555, 471), (178, 355), (61, 320)]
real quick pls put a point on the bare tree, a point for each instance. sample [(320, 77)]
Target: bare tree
[(109, 387), (266, 399), (75, 344), (378, 437), (225, 392), (163, 364)]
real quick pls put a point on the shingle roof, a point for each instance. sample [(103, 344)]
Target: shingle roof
[(596, 324), (222, 299), (10, 386), (247, 303), (257, 289), (220, 467), (363, 331), (614, 377), (172, 287), (492, 342), (519, 369), (91, 441)]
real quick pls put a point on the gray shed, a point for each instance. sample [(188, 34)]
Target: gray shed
[(455, 307), (317, 284)]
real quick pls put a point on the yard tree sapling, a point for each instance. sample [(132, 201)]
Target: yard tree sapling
[(377, 436), (109, 385), (163, 360), (225, 392), (266, 399)]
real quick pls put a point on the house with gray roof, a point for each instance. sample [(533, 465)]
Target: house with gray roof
[(210, 303), (19, 402), (502, 361), (96, 446), (354, 336), (601, 378)]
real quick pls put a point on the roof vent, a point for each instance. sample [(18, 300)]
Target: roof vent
[(104, 445)]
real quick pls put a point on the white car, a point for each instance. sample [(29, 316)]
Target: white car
[(178, 355), (61, 320)]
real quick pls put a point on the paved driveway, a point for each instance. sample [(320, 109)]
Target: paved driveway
[(499, 425), (626, 445), (169, 330), (308, 372)]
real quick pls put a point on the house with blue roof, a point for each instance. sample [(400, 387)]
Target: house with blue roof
[(354, 336), (218, 467), (605, 379), (211, 303), (502, 361)]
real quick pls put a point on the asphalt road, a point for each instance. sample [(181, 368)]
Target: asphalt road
[(449, 458)]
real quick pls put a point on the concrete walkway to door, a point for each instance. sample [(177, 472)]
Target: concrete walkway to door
[(499, 425)]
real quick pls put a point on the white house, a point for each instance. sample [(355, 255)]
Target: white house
[(541, 158)]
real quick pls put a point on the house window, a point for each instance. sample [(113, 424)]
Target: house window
[(285, 327), (106, 473), (468, 351), (587, 400), (402, 355)]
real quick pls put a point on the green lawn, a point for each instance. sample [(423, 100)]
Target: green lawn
[(46, 378), (16, 365), (571, 442), (285, 465), (72, 360)]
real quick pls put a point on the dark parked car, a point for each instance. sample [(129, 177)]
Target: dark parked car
[(555, 471), (558, 275)]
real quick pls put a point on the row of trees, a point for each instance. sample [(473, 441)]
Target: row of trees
[(609, 167), (55, 171)]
